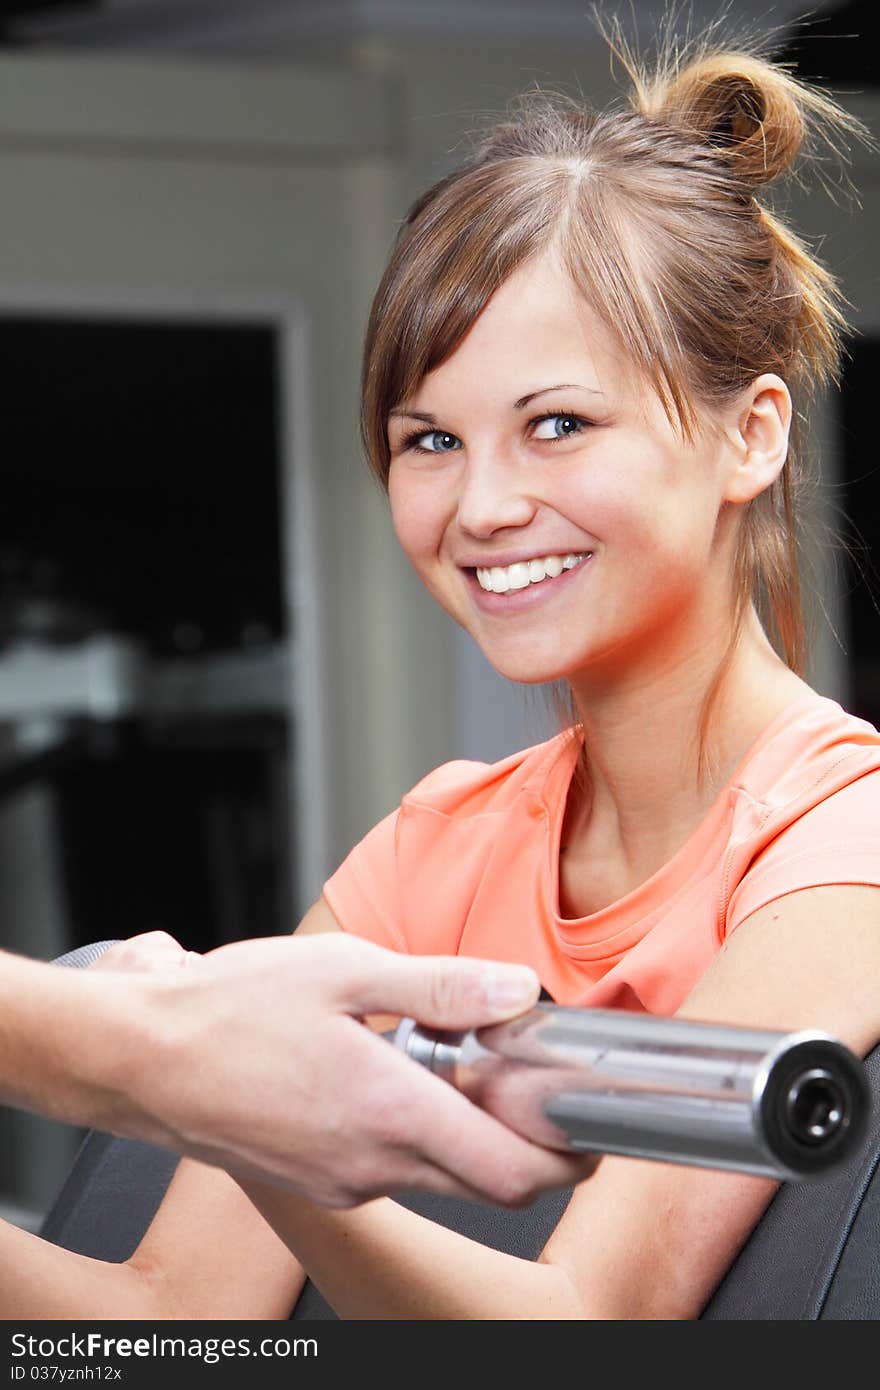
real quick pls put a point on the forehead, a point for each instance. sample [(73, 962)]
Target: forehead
[(537, 329)]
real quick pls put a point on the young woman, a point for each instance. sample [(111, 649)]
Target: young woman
[(583, 375)]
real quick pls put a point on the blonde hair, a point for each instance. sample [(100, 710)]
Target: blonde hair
[(654, 211)]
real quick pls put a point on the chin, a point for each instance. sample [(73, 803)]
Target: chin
[(531, 672)]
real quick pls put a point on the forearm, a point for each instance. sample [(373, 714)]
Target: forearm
[(209, 1254), (206, 1255), (39, 1281), (383, 1261), (69, 1041)]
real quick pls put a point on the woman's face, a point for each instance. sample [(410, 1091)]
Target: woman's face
[(543, 469)]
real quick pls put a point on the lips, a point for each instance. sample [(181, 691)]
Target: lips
[(503, 558), (520, 599), (519, 576)]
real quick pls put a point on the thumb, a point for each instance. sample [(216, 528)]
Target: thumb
[(447, 991)]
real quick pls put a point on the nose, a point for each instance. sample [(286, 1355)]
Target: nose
[(492, 497)]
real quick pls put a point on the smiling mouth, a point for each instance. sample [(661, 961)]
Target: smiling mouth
[(526, 573)]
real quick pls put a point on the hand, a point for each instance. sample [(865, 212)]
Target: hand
[(257, 1061)]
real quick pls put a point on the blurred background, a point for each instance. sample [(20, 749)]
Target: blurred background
[(216, 670)]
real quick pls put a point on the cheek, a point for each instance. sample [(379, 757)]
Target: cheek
[(640, 504), (607, 505), (414, 516)]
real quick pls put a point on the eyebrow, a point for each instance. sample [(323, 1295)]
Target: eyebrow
[(517, 405)]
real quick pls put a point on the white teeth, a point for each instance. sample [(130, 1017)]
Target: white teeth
[(499, 580)]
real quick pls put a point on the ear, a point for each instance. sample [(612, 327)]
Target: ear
[(757, 431)]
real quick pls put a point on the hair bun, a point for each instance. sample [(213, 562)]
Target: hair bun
[(742, 106)]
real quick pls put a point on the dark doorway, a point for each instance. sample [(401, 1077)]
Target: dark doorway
[(142, 501)]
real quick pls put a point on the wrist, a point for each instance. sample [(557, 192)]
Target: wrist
[(131, 1055), (77, 1044), (112, 1058)]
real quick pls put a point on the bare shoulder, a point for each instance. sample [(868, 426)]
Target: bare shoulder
[(650, 1240)]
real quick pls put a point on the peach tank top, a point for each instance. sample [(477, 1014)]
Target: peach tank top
[(468, 863)]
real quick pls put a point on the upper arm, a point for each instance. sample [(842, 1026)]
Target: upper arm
[(643, 1239), (319, 918), (808, 959), (833, 843)]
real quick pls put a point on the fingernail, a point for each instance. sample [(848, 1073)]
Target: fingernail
[(506, 987)]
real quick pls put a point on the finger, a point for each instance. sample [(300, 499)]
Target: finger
[(421, 1176), (544, 1174), (475, 1150), (156, 940), (146, 951), (440, 991), (533, 1170), (494, 1163)]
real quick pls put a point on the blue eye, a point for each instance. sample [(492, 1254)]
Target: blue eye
[(574, 425), (442, 442), (448, 443)]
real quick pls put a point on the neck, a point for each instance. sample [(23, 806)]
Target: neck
[(644, 794)]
